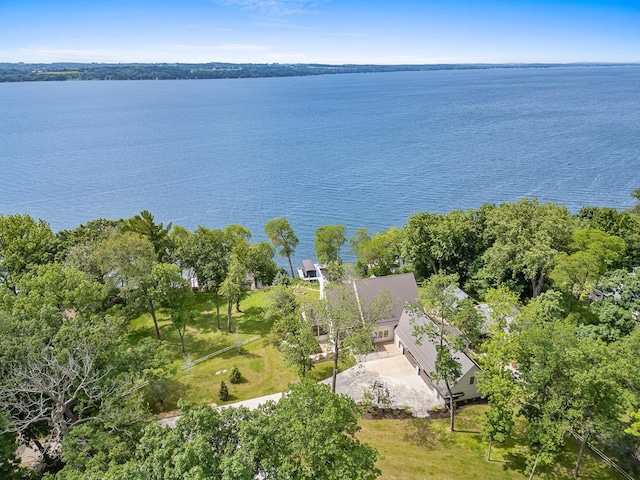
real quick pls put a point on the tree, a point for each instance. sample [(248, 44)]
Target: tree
[(309, 434), (173, 292), (197, 448), (526, 238), (596, 391), (440, 305), (235, 376), (449, 243), (46, 396), (234, 286), (496, 380), (568, 381), (293, 333), (124, 262), (144, 224), (207, 252), (636, 208), (223, 392), (377, 255), (624, 224), (497, 423), (614, 316), (349, 323), (259, 262), (8, 461), (329, 239), (594, 252), (24, 244), (54, 285), (281, 235)]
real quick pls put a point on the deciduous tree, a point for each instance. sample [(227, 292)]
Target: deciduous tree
[(526, 238), (349, 325), (281, 235), (24, 244), (329, 239)]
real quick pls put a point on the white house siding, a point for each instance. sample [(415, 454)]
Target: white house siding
[(463, 385)]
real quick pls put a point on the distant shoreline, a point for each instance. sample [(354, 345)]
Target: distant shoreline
[(62, 71)]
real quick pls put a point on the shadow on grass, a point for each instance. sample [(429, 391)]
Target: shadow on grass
[(419, 432), (252, 321)]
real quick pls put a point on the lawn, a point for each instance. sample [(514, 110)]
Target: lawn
[(420, 449), (261, 365)]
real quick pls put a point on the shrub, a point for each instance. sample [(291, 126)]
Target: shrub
[(223, 393), (235, 376)]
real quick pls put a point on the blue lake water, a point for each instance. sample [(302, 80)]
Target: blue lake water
[(364, 150)]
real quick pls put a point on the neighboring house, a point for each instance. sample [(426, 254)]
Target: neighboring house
[(457, 292), (423, 359), (309, 271), (191, 277), (482, 308), (403, 290)]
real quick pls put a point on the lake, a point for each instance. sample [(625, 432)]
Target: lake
[(362, 150)]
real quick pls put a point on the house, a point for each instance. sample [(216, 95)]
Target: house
[(403, 290), (191, 277), (309, 271), (421, 353)]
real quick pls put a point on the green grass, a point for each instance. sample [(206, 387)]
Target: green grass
[(419, 449), (262, 366)]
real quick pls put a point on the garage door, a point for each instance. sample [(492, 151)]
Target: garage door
[(410, 357)]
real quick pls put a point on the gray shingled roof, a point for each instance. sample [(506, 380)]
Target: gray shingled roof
[(403, 289), (425, 353)]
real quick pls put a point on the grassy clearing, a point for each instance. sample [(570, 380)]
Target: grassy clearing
[(420, 449), (262, 366)]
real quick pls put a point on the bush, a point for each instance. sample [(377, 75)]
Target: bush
[(235, 376), (223, 393)]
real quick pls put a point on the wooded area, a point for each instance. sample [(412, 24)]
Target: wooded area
[(35, 72), (561, 351)]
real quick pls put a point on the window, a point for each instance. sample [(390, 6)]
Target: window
[(472, 380), (386, 333)]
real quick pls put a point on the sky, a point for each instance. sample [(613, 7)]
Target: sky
[(319, 31)]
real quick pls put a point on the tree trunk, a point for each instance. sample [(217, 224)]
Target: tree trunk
[(335, 366), (433, 266), (536, 285), (229, 305), (181, 333), (451, 412), (535, 463), (583, 444), (489, 454), (218, 308), (152, 310), (291, 266), (238, 306)]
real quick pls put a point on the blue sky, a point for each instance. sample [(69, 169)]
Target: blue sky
[(323, 31)]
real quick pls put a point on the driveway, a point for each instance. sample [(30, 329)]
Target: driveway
[(391, 368)]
